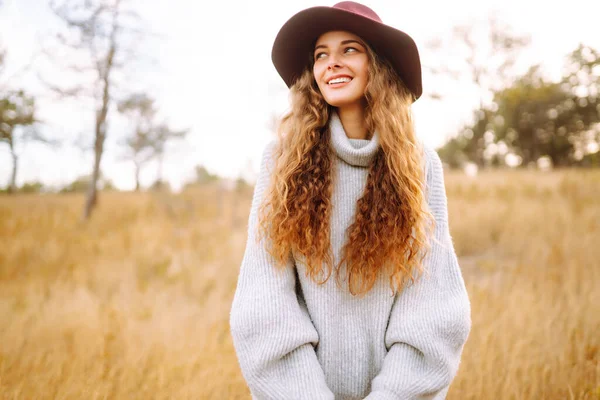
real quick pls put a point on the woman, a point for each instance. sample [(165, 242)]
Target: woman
[(347, 188)]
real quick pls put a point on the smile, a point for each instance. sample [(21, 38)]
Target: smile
[(343, 79), (338, 83)]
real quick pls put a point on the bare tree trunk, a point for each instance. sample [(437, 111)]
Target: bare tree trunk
[(159, 179), (100, 131), (92, 194), (12, 188), (160, 167), (137, 176)]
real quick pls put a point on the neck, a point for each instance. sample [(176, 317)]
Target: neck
[(356, 152), (353, 120)]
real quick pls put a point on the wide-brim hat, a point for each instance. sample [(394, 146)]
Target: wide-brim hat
[(296, 39)]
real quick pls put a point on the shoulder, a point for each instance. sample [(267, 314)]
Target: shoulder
[(265, 174), (432, 163), (269, 148), (268, 154), (271, 145), (435, 185), (268, 161)]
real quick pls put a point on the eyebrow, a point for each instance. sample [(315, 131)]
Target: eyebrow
[(343, 42)]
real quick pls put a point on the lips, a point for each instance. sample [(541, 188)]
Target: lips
[(339, 77), (338, 85)]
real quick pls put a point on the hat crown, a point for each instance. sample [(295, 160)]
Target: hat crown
[(357, 8), (296, 38)]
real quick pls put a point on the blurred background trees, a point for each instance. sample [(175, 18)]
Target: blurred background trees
[(138, 145), (534, 118), (97, 38), (149, 138), (519, 119), (17, 122), (485, 54), (16, 110)]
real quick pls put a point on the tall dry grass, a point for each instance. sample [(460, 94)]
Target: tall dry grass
[(135, 303)]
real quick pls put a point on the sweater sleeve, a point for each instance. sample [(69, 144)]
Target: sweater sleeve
[(273, 335), (430, 320)]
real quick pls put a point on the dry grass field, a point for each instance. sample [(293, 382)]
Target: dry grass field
[(134, 304)]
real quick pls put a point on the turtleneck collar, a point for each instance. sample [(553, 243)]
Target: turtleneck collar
[(357, 152)]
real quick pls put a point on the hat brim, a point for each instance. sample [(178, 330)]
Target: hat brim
[(293, 44)]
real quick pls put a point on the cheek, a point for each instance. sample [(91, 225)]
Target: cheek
[(365, 75), (317, 72), (318, 76), (365, 70)]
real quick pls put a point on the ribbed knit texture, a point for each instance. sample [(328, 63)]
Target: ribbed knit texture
[(295, 339)]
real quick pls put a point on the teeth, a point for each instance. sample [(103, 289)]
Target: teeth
[(339, 80)]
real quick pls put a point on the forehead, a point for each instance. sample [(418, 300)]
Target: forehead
[(334, 37)]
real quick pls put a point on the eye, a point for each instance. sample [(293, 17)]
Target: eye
[(318, 55), (350, 48)]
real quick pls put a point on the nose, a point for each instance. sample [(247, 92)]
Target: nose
[(333, 62)]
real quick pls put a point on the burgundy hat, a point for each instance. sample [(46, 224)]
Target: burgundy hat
[(296, 39)]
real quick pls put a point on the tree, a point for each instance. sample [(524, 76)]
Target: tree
[(16, 110), (161, 134), (82, 183), (582, 82), (32, 187), (486, 54), (535, 117), (17, 119), (138, 146), (204, 176), (149, 138), (555, 119), (97, 32), (79, 185), (525, 123), (488, 63)]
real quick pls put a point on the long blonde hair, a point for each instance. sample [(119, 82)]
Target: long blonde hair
[(389, 233)]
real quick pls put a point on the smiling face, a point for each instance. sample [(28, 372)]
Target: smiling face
[(341, 68)]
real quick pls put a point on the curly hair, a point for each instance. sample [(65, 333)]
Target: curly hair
[(389, 233)]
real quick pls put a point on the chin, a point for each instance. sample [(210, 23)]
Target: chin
[(342, 102)]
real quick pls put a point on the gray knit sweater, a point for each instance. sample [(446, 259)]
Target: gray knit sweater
[(295, 339)]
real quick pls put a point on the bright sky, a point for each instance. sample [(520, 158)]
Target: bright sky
[(215, 76)]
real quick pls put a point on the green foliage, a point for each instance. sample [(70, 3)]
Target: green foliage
[(454, 152), (16, 109), (32, 187), (79, 185), (161, 186), (82, 183), (149, 138), (241, 186), (108, 186), (204, 176), (140, 109), (591, 160), (534, 118), (27, 187)]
